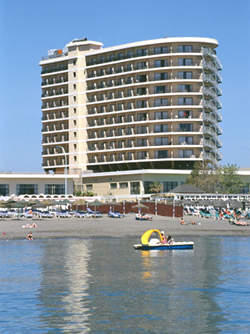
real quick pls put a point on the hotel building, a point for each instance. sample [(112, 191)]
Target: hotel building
[(145, 105)]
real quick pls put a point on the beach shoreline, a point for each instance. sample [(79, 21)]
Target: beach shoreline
[(128, 227)]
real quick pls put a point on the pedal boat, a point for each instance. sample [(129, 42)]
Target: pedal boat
[(152, 239)]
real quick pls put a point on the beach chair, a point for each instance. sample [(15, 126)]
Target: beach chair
[(113, 215)]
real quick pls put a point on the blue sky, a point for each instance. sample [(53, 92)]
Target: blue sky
[(29, 28)]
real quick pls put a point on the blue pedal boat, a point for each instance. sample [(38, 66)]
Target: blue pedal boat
[(152, 239)]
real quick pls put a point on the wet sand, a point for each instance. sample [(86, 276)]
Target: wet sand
[(126, 227)]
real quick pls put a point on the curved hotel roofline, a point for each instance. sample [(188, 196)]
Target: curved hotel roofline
[(169, 40)]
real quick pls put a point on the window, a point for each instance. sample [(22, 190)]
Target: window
[(185, 113), (185, 153), (169, 185), (135, 188), (161, 128), (186, 140), (129, 67), (119, 56), (185, 101), (161, 141), (120, 105), (141, 52), (147, 185), (160, 63), (160, 102), (22, 189), (113, 185), (74, 86), (74, 98), (111, 57), (186, 127), (102, 59), (185, 61), (75, 146), (129, 54), (74, 122), (141, 78), (123, 185), (141, 117), (185, 48), (54, 189), (119, 81), (141, 91), (119, 69), (130, 131), (4, 189), (142, 142), (74, 134), (161, 154), (74, 110), (74, 74), (74, 62), (160, 76), (93, 61), (142, 155), (141, 65), (130, 143), (89, 187), (185, 75), (160, 89), (129, 106), (75, 158), (142, 104), (142, 129), (130, 156), (161, 115), (160, 49), (185, 88)]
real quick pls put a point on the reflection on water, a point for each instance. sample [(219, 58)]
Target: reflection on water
[(64, 284), (105, 286)]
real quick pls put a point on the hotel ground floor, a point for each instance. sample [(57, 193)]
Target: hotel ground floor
[(136, 184)]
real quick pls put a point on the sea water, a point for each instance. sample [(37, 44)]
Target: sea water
[(103, 285)]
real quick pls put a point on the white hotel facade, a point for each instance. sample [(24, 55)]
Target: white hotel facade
[(150, 105)]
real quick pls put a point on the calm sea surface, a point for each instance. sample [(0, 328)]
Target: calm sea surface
[(105, 286)]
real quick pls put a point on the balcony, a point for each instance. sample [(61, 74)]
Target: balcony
[(55, 69)]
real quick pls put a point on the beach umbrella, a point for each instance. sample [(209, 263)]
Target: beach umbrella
[(48, 202), (140, 206), (115, 203), (96, 203), (204, 202), (219, 204), (78, 202), (234, 204), (39, 205)]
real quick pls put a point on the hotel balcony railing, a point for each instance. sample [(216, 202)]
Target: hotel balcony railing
[(212, 54), (60, 127), (54, 151), (166, 65), (55, 139), (54, 104), (55, 81), (52, 70), (54, 116), (207, 91), (136, 55), (209, 144), (55, 93)]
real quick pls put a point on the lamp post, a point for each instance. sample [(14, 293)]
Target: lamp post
[(65, 169)]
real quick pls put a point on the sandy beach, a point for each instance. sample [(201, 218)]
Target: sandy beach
[(126, 227)]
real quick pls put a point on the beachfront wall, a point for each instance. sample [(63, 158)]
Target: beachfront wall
[(128, 208)]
